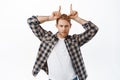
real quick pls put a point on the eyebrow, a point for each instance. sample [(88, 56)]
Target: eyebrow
[(63, 25)]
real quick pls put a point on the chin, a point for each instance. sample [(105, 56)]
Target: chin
[(64, 35)]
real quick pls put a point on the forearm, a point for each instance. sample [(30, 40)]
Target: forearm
[(42, 19), (80, 20)]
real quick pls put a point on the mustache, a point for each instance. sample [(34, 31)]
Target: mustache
[(64, 32)]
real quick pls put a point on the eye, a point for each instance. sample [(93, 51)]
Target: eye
[(61, 25), (66, 26)]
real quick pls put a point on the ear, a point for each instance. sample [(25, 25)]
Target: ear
[(70, 25), (56, 25)]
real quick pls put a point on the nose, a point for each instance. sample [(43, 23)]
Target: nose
[(63, 28)]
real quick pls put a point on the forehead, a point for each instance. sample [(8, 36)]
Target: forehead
[(63, 21)]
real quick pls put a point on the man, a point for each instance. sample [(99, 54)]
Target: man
[(59, 54)]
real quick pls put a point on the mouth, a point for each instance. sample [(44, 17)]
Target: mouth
[(64, 32)]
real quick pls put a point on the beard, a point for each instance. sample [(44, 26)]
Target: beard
[(62, 34)]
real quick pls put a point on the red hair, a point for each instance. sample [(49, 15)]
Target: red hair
[(64, 17)]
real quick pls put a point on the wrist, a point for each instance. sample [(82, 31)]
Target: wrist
[(50, 18), (76, 18)]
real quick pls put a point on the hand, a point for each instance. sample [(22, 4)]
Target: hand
[(73, 14), (55, 14)]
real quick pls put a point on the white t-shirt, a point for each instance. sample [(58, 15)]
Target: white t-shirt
[(59, 63)]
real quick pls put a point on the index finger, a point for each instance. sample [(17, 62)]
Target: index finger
[(70, 7), (59, 8)]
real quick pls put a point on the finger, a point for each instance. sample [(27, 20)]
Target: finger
[(70, 7), (59, 8), (76, 12)]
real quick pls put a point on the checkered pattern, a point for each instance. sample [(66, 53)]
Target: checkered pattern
[(73, 44)]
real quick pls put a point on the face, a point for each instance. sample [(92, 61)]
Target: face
[(63, 27)]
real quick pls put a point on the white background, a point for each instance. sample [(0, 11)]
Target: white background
[(19, 46)]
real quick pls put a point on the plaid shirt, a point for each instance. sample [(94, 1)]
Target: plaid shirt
[(73, 44)]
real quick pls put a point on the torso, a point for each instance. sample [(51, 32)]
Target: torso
[(59, 63)]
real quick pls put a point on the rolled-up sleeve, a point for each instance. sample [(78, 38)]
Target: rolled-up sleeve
[(36, 27), (90, 31)]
